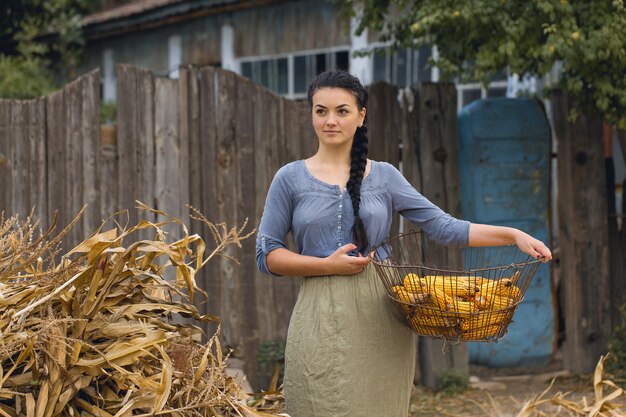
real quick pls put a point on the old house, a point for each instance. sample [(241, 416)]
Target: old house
[(280, 44)]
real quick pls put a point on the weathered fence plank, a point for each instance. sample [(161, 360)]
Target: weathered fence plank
[(89, 142), (126, 141), (56, 161), (204, 140), (37, 157), (72, 150), (265, 133), (583, 236), (439, 162), (136, 142), (6, 162), (227, 185), (618, 250), (194, 153), (168, 169), (108, 171), (411, 170), (19, 158), (384, 122)]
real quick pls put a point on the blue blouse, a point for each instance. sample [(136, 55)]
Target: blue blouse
[(320, 216)]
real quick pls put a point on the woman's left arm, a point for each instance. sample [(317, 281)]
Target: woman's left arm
[(487, 235)]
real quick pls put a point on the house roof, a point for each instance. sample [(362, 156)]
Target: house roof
[(126, 10), (145, 14)]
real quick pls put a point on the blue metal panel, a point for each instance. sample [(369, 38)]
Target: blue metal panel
[(504, 164)]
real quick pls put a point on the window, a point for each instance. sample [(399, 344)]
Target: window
[(403, 67), (271, 73), (290, 75)]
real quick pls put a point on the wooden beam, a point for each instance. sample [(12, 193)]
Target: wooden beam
[(439, 162), (583, 236)]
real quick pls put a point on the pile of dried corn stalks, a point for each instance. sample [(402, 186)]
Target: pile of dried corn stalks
[(99, 333)]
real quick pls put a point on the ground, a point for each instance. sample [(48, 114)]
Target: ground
[(503, 392)]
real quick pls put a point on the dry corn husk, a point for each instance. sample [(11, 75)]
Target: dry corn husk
[(609, 404), (97, 333)]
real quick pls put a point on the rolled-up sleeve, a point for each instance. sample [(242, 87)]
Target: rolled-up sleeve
[(275, 221), (439, 225)]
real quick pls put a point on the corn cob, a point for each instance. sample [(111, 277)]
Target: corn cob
[(413, 283), (506, 287), (493, 302), (503, 287), (439, 298), (462, 308), (453, 286), (481, 332), (402, 294), (418, 319), (483, 320)]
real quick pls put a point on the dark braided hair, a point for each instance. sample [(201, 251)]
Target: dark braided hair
[(358, 154)]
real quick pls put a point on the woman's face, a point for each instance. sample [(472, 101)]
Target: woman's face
[(336, 115)]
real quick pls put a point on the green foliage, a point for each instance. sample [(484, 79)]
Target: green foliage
[(451, 381), (108, 112), (269, 355), (43, 43), (23, 78), (616, 363), (476, 38)]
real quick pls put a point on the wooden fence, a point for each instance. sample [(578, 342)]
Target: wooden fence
[(213, 140), (49, 156)]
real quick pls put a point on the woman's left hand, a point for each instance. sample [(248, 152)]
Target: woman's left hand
[(534, 247)]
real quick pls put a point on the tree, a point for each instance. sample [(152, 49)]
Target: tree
[(41, 43), (476, 38)]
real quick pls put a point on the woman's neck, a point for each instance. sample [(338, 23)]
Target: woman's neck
[(332, 156)]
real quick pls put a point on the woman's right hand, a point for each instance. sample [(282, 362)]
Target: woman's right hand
[(340, 263)]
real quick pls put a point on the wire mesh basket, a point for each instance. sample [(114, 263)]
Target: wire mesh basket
[(458, 294)]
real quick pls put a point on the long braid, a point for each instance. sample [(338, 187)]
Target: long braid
[(357, 171)]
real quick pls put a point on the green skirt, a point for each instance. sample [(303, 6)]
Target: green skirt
[(347, 353)]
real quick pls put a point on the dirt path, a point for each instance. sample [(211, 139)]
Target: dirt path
[(500, 393)]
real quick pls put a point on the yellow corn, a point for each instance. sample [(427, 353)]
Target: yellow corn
[(462, 308), (419, 319), (453, 286), (493, 302), (439, 298), (504, 287), (413, 283), (484, 319), (402, 294)]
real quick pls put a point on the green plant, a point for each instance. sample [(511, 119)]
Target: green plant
[(616, 363), (42, 45), (452, 381), (108, 112), (270, 354)]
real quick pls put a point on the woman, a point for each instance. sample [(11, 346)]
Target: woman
[(347, 353)]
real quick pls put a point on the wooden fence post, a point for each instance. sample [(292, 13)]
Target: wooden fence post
[(583, 236), (135, 144), (439, 162), (618, 251)]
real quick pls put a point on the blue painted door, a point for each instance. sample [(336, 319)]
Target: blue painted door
[(504, 165)]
